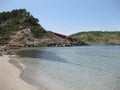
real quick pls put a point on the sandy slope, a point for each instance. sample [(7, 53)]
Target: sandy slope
[(9, 77)]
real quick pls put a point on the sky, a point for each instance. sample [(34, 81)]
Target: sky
[(70, 16)]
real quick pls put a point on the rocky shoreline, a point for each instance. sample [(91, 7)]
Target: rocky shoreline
[(24, 38)]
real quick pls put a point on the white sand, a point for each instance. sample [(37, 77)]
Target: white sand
[(9, 77)]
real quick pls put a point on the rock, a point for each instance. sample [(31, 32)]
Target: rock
[(24, 38)]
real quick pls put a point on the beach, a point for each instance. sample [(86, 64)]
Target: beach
[(9, 76), (71, 68), (61, 68)]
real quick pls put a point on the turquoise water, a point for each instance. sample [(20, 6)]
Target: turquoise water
[(72, 68)]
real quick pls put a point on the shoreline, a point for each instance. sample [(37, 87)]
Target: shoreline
[(45, 82), (10, 76)]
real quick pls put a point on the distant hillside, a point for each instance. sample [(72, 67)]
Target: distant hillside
[(20, 28), (98, 37)]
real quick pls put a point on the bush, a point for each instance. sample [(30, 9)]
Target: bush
[(37, 32)]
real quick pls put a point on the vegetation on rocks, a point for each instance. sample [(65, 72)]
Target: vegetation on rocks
[(20, 28), (98, 37), (16, 20)]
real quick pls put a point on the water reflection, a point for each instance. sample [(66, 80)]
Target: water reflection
[(44, 55), (41, 54)]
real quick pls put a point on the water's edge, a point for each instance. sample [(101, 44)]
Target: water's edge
[(16, 62), (75, 68)]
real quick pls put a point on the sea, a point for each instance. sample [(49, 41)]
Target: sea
[(71, 68)]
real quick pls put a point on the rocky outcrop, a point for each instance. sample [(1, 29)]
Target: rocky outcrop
[(24, 38), (20, 28)]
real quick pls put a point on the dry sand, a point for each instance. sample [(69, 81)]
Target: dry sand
[(9, 77)]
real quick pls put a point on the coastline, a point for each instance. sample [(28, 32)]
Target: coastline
[(9, 76)]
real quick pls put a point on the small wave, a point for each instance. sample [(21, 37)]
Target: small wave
[(23, 66)]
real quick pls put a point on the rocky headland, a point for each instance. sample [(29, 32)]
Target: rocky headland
[(19, 28)]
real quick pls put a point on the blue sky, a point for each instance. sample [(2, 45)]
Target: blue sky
[(71, 16)]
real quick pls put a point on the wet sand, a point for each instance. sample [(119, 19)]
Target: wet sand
[(9, 76)]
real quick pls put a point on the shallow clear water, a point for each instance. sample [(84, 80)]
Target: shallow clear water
[(72, 68)]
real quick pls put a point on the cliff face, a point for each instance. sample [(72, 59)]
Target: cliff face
[(20, 28), (24, 38)]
